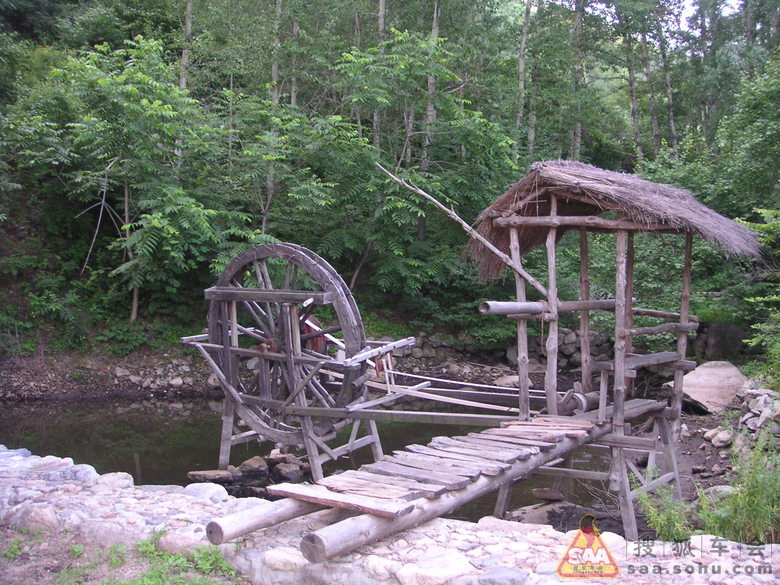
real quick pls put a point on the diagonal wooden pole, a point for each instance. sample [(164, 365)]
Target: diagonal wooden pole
[(469, 230)]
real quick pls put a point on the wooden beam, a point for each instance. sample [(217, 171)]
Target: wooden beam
[(663, 328), (262, 295), (585, 221), (570, 472)]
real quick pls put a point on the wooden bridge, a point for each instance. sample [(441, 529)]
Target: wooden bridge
[(422, 482)]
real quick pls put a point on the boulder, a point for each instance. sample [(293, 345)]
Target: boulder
[(287, 472), (220, 476), (722, 439), (713, 385)]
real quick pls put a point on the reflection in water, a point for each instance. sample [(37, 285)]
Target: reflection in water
[(159, 441)]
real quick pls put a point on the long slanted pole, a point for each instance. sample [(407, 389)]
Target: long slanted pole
[(522, 332), (585, 360), (469, 230), (682, 336), (551, 345)]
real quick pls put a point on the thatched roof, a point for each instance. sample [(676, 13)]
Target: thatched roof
[(583, 189)]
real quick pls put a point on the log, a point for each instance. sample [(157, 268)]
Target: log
[(349, 534), (524, 395), (663, 328), (587, 221), (262, 295), (510, 308), (232, 526), (551, 343), (585, 356)]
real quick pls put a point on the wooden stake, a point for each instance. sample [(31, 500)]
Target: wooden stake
[(551, 345), (682, 336), (619, 376), (522, 332), (585, 358)]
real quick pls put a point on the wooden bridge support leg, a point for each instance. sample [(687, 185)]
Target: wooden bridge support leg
[(619, 482), (226, 440), (670, 454), (503, 499)]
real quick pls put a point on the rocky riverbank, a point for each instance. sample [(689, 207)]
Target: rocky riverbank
[(53, 496)]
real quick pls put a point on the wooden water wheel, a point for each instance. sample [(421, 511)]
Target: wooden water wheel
[(281, 315)]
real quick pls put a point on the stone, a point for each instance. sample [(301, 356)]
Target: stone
[(284, 558), (108, 532), (208, 491), (547, 567), (568, 349), (713, 385), (709, 434), (453, 370), (722, 439), (724, 341), (765, 416), (287, 472), (380, 567), (718, 492), (569, 337), (507, 381), (220, 476), (616, 544), (37, 517), (116, 480), (121, 372), (84, 473), (435, 570), (254, 466), (176, 382)]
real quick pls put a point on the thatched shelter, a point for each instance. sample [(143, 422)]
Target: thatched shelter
[(559, 196), (583, 191)]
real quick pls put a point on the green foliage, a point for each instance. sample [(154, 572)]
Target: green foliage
[(666, 515), (76, 550), (14, 549), (208, 560), (752, 512)]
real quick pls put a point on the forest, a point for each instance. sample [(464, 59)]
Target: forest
[(145, 143)]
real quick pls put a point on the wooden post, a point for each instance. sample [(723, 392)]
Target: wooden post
[(618, 470), (629, 322), (585, 358), (522, 332), (551, 345), (682, 336), (621, 285)]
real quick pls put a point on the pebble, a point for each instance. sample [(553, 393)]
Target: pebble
[(53, 494)]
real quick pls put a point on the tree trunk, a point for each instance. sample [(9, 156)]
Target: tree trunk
[(668, 83), (651, 96), (430, 115), (520, 118), (532, 100), (628, 43), (377, 119), (185, 51), (296, 31), (576, 40), (130, 255), (275, 53)]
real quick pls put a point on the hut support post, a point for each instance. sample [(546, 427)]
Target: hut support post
[(682, 336), (619, 471), (585, 358), (551, 345), (522, 331)]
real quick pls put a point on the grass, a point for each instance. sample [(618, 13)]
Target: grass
[(666, 515)]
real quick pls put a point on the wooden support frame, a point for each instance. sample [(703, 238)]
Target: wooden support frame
[(524, 399), (551, 343)]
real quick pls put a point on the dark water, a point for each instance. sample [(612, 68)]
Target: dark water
[(159, 441)]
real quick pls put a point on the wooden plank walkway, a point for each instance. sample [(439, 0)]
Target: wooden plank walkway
[(391, 488)]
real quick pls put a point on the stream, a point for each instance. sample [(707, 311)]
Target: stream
[(159, 441)]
